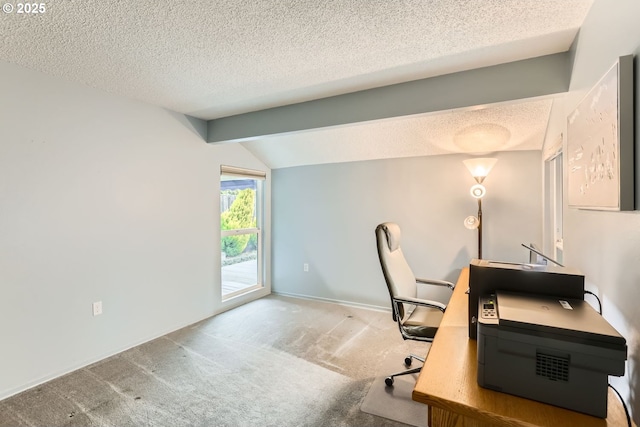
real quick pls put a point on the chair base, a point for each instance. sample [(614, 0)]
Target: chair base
[(407, 361)]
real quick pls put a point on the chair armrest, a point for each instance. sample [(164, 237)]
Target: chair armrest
[(423, 302), (436, 282)]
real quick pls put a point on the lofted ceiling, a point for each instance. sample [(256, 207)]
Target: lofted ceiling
[(218, 58), (518, 126)]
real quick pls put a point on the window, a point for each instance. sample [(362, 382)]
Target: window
[(554, 187), (241, 202)]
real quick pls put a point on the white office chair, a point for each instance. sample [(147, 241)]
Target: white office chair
[(418, 319)]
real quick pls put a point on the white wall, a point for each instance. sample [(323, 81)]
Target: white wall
[(606, 245), (325, 216), (101, 199)]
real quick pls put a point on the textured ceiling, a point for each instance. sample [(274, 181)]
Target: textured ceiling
[(212, 59)]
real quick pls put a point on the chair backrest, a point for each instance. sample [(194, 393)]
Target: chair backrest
[(401, 281)]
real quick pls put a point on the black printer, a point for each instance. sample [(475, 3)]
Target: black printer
[(550, 349), (487, 277)]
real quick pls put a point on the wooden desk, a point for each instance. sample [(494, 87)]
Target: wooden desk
[(448, 384)]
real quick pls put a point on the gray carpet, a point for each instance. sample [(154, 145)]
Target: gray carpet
[(395, 402), (277, 361)]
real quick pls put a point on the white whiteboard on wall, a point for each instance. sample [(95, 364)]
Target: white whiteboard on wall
[(600, 143)]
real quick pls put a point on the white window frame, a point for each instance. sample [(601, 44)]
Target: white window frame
[(241, 173), (554, 188)]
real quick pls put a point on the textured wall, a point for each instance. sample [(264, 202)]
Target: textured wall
[(326, 215)]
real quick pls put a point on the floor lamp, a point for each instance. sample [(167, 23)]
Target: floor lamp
[(479, 169)]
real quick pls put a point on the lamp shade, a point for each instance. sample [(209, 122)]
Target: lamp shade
[(480, 167)]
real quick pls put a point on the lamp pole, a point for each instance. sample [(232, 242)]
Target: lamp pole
[(479, 169), (480, 228)]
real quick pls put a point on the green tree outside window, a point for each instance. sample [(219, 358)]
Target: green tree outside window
[(239, 216)]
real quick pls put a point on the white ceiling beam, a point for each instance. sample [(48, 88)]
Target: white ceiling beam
[(545, 75)]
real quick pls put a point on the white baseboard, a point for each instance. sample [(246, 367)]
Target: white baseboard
[(4, 394), (39, 381), (334, 301)]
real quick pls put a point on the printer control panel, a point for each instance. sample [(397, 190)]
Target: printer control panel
[(488, 309)]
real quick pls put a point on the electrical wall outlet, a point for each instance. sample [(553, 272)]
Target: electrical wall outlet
[(97, 308), (305, 267)]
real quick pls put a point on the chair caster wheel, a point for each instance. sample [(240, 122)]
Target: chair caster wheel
[(388, 381), (407, 361)]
